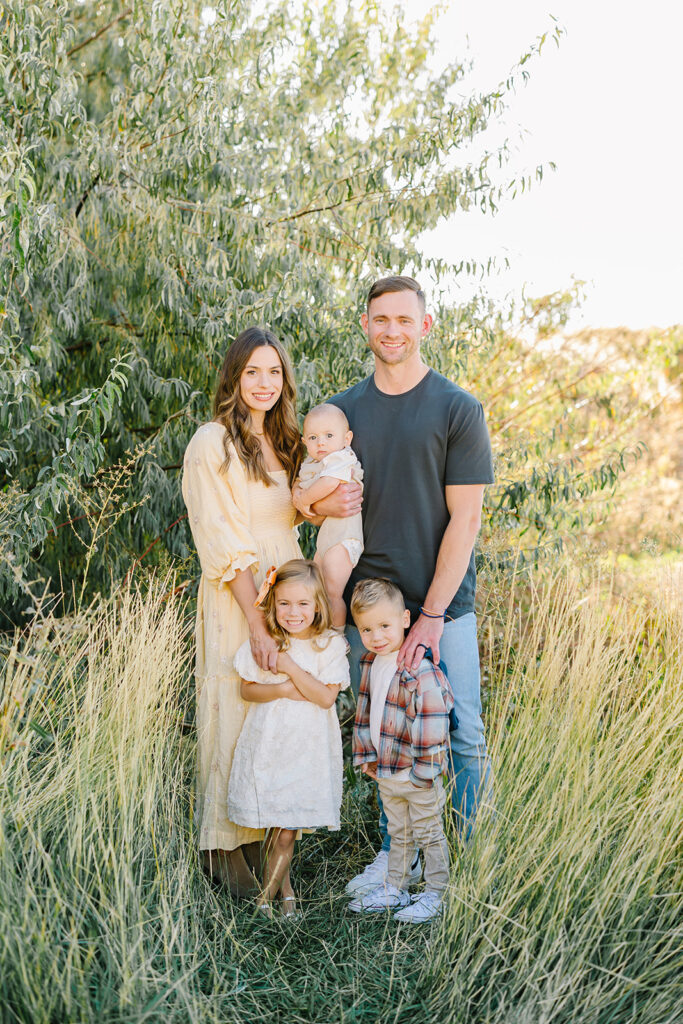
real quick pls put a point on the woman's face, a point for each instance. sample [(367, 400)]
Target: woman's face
[(261, 379)]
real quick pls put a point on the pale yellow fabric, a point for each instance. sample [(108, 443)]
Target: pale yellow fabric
[(236, 524)]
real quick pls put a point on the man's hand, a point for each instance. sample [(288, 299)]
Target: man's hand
[(346, 500), (424, 634), (263, 647), (370, 768)]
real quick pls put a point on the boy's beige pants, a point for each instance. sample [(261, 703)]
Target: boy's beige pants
[(414, 820)]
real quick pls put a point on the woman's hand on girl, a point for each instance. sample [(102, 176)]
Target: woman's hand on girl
[(263, 646)]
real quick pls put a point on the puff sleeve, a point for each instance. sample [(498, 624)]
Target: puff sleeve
[(342, 465), (246, 667), (334, 663), (218, 506)]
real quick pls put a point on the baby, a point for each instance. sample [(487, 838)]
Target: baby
[(330, 460)]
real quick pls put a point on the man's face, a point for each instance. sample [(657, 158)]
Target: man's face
[(382, 627), (395, 325)]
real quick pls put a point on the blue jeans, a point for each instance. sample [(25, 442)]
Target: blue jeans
[(469, 767)]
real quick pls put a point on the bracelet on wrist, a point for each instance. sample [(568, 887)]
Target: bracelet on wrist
[(432, 615)]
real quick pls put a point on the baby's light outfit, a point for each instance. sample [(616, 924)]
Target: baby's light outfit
[(342, 465), (287, 768)]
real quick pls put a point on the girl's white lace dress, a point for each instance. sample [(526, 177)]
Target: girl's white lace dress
[(287, 767)]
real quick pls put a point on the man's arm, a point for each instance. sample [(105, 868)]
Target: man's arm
[(319, 489), (345, 500), (464, 505)]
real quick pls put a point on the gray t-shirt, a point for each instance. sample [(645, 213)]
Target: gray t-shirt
[(411, 446)]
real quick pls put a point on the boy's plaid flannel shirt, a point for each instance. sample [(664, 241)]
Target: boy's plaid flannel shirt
[(415, 723)]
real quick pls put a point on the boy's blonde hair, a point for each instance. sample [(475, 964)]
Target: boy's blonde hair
[(367, 593), (298, 570)]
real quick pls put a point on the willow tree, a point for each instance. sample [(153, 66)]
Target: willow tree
[(172, 173)]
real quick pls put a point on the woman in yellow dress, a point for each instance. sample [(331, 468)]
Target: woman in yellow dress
[(237, 476)]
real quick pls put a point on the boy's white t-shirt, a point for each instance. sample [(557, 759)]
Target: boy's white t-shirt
[(382, 671)]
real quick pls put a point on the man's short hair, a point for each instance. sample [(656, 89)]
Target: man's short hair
[(396, 284), (368, 593)]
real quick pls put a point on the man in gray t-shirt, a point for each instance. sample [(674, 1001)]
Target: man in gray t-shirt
[(426, 457), (413, 446)]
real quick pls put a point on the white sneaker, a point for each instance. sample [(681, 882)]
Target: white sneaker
[(384, 897), (423, 906), (376, 874)]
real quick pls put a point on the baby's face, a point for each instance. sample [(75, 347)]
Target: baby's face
[(323, 434)]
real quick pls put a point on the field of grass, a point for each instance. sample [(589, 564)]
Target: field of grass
[(567, 905)]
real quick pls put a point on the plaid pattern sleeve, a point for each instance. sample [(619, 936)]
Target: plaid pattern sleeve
[(429, 728), (362, 748)]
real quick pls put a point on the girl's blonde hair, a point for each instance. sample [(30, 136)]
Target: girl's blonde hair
[(299, 570)]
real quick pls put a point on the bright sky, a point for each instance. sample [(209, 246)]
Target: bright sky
[(606, 109)]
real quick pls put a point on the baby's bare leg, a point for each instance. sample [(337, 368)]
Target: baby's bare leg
[(336, 568)]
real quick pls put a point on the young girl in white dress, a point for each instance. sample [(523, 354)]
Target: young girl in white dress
[(287, 768)]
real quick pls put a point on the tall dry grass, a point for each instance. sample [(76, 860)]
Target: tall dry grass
[(565, 906), (569, 904)]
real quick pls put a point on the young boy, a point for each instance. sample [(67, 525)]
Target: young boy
[(400, 737)]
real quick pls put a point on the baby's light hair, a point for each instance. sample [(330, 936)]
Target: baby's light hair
[(327, 407), (368, 593), (298, 570)]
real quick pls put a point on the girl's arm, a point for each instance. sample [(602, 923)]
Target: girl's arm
[(263, 693), (322, 694)]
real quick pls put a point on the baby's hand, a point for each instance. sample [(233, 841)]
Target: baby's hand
[(370, 768), (299, 501)]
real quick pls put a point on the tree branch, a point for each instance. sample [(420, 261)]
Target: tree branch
[(100, 32), (81, 202), (161, 138), (150, 546)]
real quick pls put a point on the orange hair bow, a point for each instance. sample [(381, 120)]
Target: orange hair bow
[(268, 582)]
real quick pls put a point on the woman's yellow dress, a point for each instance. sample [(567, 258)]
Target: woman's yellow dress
[(237, 523)]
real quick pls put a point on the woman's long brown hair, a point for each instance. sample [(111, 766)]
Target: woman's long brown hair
[(280, 422)]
